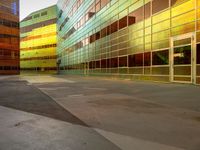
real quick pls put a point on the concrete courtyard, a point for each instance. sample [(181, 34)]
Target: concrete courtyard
[(91, 113)]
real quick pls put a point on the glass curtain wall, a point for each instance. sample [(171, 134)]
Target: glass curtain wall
[(136, 39)]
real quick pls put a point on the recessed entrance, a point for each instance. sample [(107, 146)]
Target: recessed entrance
[(182, 58)]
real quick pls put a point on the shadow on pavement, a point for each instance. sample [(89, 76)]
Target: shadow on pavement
[(21, 96)]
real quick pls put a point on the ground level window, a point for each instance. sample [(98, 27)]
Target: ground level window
[(123, 61), (198, 53), (135, 60), (147, 59), (182, 55), (103, 63), (160, 57), (114, 62)]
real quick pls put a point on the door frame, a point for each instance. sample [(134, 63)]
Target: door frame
[(193, 56)]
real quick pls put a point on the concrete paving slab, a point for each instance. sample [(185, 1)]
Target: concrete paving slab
[(97, 113), (21, 96), (45, 79), (134, 110), (24, 131), (131, 143)]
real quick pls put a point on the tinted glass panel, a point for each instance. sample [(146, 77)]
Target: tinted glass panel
[(159, 5), (147, 9), (123, 61), (108, 63), (114, 62), (114, 27), (103, 63), (198, 53), (136, 60), (174, 2), (138, 14), (182, 55), (123, 22), (160, 57), (97, 64), (147, 59)]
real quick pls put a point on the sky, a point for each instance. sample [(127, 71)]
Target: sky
[(29, 6)]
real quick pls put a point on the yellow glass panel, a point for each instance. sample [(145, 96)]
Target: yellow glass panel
[(147, 30), (161, 36), (148, 39), (183, 19), (162, 16), (148, 47), (137, 34), (160, 45), (136, 42), (198, 36), (198, 25), (138, 49), (136, 26), (186, 28), (161, 26), (147, 22), (183, 7), (198, 13)]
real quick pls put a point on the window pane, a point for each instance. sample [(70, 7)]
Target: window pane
[(108, 62), (135, 60), (123, 23), (114, 62), (103, 63), (159, 5), (147, 59), (198, 53), (97, 64), (114, 27), (182, 55), (104, 3), (137, 14), (147, 9), (91, 65), (160, 57), (123, 61), (175, 2)]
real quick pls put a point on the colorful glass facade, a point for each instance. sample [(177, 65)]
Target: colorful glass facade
[(38, 42), (137, 39), (9, 37)]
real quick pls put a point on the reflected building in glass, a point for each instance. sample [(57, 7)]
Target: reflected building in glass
[(38, 42), (155, 40), (9, 37)]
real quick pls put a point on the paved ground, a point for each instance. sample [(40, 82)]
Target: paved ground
[(75, 113)]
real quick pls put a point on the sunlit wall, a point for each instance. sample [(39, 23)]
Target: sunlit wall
[(9, 37), (130, 39), (38, 42)]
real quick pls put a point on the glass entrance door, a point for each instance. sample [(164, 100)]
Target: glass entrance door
[(182, 56)]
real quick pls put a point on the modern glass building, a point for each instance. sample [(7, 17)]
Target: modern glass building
[(137, 39), (38, 42), (9, 37)]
